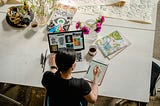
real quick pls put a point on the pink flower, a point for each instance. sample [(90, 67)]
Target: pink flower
[(78, 25), (98, 29), (98, 24), (85, 30), (102, 19)]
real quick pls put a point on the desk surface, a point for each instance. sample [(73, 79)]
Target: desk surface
[(128, 74)]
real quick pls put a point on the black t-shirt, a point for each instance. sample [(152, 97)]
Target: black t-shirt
[(64, 92)]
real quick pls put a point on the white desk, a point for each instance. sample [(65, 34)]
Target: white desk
[(20, 52), (128, 74)]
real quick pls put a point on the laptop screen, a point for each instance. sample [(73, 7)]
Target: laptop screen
[(69, 39)]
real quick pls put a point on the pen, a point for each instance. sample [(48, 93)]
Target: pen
[(44, 61), (88, 69)]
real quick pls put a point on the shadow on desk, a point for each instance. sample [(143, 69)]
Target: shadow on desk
[(7, 27), (29, 34)]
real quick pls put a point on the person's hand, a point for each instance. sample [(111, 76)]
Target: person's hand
[(96, 71), (52, 60)]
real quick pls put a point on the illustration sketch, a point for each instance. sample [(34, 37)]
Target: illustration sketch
[(133, 10)]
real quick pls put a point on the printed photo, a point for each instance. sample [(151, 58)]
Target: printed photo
[(61, 42), (77, 42), (68, 38), (53, 40), (54, 48), (69, 46)]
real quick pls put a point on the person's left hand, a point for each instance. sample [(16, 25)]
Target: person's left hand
[(52, 60)]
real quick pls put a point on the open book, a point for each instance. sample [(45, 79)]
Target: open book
[(89, 74), (112, 44), (61, 18)]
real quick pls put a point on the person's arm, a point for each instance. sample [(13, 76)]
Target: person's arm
[(92, 96), (52, 63)]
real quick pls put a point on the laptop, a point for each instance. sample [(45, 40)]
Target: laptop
[(69, 39)]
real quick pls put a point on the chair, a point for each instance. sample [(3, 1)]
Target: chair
[(16, 103), (154, 78)]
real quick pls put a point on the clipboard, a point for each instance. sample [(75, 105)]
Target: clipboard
[(89, 74)]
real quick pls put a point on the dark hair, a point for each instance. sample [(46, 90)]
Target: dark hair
[(64, 59)]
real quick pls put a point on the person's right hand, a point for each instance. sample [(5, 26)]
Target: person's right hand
[(96, 71)]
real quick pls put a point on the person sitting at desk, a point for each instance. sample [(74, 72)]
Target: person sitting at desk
[(62, 88)]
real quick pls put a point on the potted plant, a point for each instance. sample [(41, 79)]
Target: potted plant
[(41, 8)]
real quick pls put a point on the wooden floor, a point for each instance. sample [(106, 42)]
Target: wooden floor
[(32, 96)]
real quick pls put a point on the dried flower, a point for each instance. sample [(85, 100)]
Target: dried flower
[(97, 25), (78, 25)]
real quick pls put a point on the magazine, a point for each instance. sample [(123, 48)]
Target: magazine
[(112, 44), (61, 18), (89, 74)]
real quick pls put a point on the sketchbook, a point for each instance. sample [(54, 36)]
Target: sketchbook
[(89, 74), (112, 44), (61, 18)]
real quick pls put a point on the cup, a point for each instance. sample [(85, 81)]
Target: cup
[(34, 25), (92, 50)]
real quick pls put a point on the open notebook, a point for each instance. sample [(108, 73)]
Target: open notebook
[(112, 44)]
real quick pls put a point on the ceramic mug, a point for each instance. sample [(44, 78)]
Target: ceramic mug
[(92, 50)]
